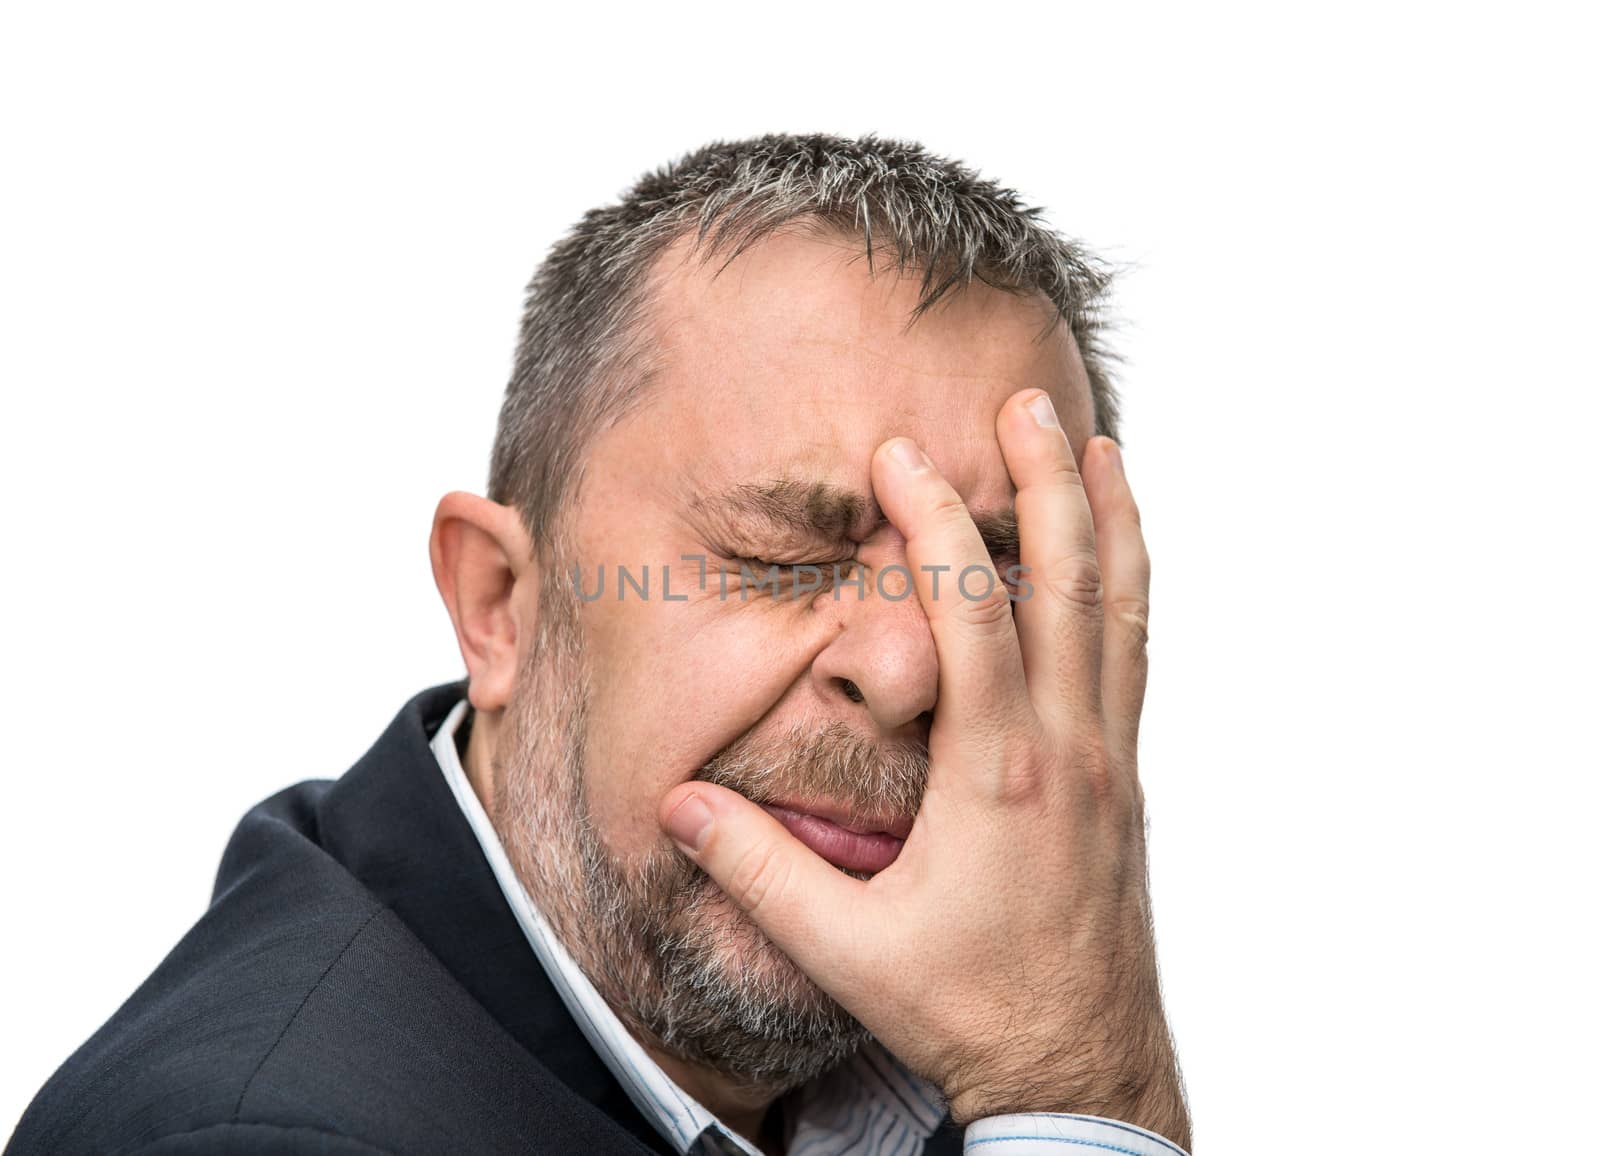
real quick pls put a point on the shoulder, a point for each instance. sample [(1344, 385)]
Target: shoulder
[(186, 1046), (257, 1140), (299, 1013)]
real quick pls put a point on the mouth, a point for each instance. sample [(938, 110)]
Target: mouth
[(848, 843)]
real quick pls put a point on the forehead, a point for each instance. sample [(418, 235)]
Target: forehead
[(796, 360)]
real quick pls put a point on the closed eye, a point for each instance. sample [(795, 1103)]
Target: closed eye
[(791, 580), (824, 564)]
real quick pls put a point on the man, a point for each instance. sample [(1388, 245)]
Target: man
[(790, 802)]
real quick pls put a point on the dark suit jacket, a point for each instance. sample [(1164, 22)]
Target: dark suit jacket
[(357, 985)]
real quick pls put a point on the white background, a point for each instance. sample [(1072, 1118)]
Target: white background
[(259, 283)]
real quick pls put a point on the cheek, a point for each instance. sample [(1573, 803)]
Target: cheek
[(671, 684)]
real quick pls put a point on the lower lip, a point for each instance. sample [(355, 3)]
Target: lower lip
[(838, 845)]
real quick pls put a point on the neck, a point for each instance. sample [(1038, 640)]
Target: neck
[(739, 1107)]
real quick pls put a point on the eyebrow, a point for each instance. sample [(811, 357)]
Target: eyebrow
[(824, 511), (814, 509)]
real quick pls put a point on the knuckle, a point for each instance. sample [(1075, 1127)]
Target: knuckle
[(990, 611), (1095, 773), (1063, 471), (1026, 777), (1132, 616), (758, 878), (1075, 578), (948, 510)]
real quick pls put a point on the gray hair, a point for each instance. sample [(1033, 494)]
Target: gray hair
[(582, 355)]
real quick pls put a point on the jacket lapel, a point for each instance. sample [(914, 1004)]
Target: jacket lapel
[(393, 823)]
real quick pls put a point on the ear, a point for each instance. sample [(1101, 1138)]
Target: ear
[(484, 568)]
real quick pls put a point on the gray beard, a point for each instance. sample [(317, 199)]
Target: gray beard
[(680, 965)]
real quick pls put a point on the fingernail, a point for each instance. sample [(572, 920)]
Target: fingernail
[(1114, 452), (1044, 412), (690, 823), (905, 452)]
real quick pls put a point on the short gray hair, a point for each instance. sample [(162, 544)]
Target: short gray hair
[(581, 357)]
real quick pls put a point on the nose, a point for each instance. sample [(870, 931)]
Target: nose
[(882, 662)]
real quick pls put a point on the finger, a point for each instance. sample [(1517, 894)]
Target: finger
[(1125, 567), (982, 691), (1060, 623), (798, 899)]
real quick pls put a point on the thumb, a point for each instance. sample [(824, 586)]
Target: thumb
[(796, 897)]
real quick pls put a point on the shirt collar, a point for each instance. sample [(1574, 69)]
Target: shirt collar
[(869, 1104)]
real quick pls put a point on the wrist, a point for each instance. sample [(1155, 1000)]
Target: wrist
[(1150, 1098)]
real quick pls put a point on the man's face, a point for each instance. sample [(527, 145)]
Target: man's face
[(777, 379)]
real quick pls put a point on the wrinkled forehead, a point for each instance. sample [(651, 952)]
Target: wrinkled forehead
[(796, 359)]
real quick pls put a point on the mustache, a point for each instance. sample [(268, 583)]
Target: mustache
[(869, 780)]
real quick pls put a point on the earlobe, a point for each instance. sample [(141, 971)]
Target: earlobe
[(482, 565)]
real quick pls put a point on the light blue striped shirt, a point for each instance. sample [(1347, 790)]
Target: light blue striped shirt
[(869, 1106)]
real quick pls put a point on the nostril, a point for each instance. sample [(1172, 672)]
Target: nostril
[(851, 691)]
